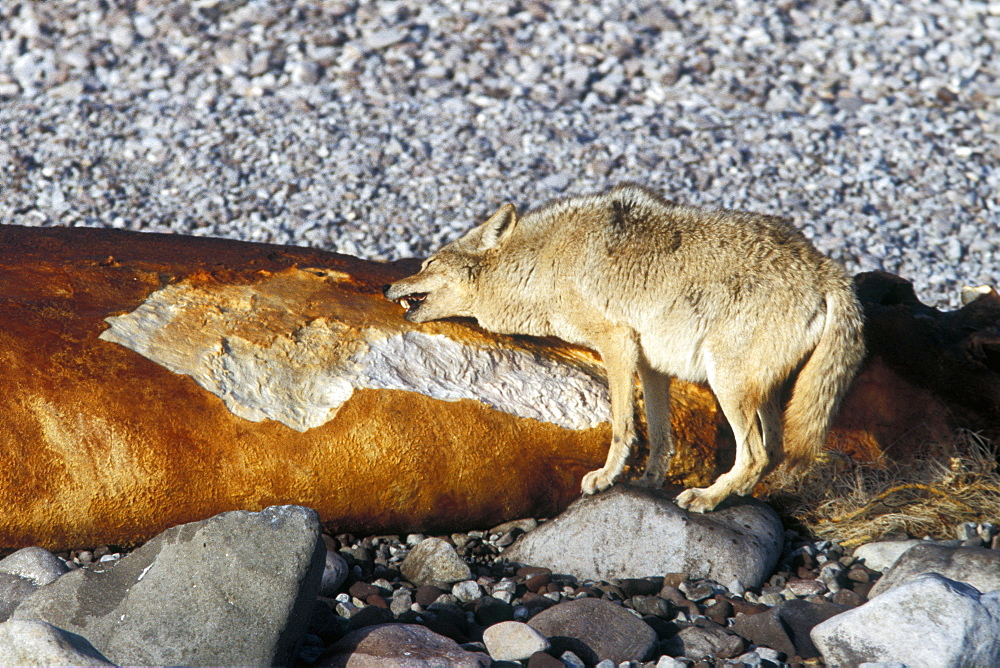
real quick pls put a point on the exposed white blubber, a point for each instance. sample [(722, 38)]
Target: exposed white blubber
[(249, 346)]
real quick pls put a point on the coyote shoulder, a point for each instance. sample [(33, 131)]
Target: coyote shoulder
[(739, 300)]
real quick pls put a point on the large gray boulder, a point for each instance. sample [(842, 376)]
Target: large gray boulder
[(233, 589), (635, 532), (976, 566), (927, 621)]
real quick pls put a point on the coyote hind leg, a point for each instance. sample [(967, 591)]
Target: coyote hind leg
[(743, 410), (656, 397)]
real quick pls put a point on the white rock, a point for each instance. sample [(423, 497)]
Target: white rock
[(879, 556), (928, 621), (434, 560), (466, 591), (513, 641), (975, 566)]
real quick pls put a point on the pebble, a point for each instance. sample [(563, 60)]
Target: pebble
[(513, 641), (402, 124)]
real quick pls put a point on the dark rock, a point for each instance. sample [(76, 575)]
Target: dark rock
[(741, 606), (378, 601), (698, 643), (544, 660), (786, 626), (489, 610), (595, 630), (633, 532), (196, 594), (402, 646), (427, 594), (641, 586), (370, 615), (362, 590), (677, 597), (653, 605), (720, 611), (848, 598), (538, 582)]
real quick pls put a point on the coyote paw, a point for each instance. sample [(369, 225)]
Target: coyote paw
[(597, 481), (697, 500)]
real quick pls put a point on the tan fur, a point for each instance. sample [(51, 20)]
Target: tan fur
[(740, 300)]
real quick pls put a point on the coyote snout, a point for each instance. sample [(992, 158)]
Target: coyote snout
[(741, 301)]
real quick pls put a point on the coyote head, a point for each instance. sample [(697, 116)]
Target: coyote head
[(447, 284)]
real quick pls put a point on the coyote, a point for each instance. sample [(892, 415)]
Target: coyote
[(739, 300)]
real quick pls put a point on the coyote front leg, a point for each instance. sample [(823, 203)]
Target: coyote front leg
[(620, 352)]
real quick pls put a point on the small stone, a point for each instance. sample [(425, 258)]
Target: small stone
[(571, 660), (370, 615), (434, 560), (804, 588), (466, 591), (719, 610), (402, 599), (381, 39), (335, 571), (700, 643), (363, 590), (848, 598), (967, 530), (652, 605), (700, 591), (400, 644), (513, 641), (986, 531)]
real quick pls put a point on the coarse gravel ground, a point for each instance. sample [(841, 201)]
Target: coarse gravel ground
[(383, 129)]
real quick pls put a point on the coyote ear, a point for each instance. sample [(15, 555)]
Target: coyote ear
[(498, 227)]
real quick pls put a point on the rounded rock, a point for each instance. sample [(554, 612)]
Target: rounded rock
[(513, 641)]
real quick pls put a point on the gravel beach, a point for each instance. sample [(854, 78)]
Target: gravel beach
[(383, 129)]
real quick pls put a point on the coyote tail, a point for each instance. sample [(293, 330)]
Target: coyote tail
[(823, 380)]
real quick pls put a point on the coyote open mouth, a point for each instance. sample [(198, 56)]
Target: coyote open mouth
[(412, 302)]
